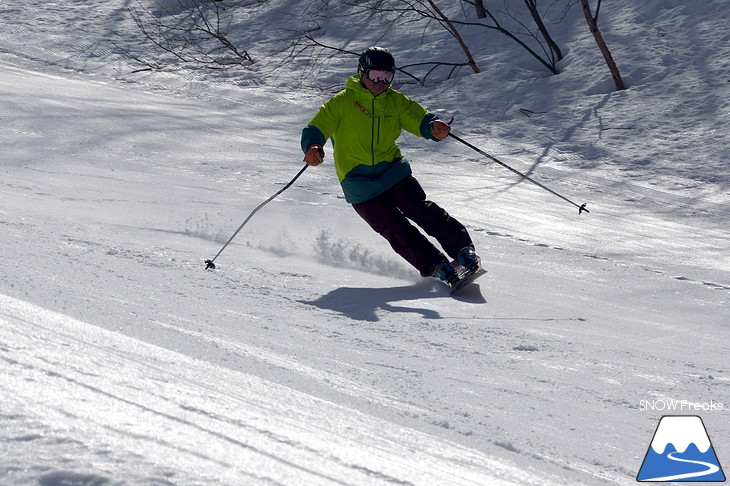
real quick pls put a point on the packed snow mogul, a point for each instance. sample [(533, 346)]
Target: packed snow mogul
[(364, 121)]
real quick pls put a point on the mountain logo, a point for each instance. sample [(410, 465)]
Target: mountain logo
[(681, 451)]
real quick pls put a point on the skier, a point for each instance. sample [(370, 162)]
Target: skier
[(364, 121)]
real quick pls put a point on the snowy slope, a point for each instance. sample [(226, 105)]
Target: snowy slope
[(313, 354), (144, 415)]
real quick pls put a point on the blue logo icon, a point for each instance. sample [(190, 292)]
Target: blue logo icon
[(681, 451)]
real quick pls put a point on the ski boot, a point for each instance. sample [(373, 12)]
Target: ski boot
[(446, 273), (468, 259)]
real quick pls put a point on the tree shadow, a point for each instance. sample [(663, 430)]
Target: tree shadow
[(362, 304)]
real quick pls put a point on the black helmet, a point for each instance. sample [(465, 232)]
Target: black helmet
[(375, 58)]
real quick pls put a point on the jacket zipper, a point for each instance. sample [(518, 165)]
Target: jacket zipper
[(375, 134), (374, 128)]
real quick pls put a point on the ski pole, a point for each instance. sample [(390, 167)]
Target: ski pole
[(581, 207), (209, 264)]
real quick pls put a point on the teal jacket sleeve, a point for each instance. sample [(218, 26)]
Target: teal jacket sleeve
[(310, 135), (426, 126)]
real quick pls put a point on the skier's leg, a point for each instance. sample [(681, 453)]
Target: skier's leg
[(450, 233), (386, 219)]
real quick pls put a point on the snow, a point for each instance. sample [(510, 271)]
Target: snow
[(687, 430), (313, 354), (164, 403)]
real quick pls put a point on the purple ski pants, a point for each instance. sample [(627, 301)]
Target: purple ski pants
[(391, 213)]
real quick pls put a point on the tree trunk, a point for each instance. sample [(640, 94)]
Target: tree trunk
[(593, 26), (455, 33), (481, 11), (557, 53)]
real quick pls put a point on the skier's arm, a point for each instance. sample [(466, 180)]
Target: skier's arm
[(417, 120), (316, 133), (311, 135), (323, 124), (312, 141)]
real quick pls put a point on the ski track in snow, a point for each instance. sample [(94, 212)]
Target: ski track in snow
[(313, 355), (96, 393)]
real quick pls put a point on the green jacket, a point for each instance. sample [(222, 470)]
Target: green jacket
[(364, 129)]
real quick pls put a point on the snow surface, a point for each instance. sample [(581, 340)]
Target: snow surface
[(313, 354)]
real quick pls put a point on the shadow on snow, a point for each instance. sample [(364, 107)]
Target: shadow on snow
[(363, 304)]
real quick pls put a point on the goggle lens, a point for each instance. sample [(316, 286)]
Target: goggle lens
[(380, 76)]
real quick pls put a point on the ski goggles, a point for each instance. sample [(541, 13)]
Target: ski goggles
[(380, 76)]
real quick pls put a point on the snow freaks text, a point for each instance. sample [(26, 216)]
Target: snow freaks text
[(671, 405)]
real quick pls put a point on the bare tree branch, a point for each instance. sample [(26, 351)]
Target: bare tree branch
[(194, 34), (556, 55), (593, 26), (451, 28)]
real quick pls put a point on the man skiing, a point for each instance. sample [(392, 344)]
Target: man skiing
[(364, 121)]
